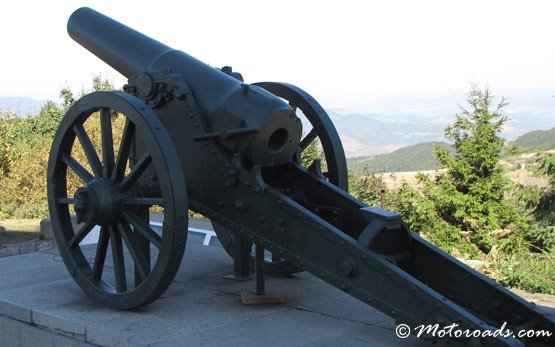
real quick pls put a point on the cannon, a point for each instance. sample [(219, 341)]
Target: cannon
[(198, 138)]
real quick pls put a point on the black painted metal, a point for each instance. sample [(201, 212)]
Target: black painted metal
[(115, 208), (235, 145), (323, 130), (219, 96), (259, 270)]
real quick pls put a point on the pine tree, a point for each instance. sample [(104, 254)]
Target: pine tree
[(472, 194)]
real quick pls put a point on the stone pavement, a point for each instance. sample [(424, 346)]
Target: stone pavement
[(41, 305)]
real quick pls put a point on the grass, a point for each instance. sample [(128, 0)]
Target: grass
[(19, 230)]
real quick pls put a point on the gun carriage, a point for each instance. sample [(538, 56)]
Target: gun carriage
[(199, 138)]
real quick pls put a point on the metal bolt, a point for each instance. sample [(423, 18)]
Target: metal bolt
[(241, 206), (348, 268), (245, 87)]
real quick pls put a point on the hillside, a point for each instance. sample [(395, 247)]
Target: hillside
[(22, 106), (384, 125), (412, 158), (374, 134), (538, 140)]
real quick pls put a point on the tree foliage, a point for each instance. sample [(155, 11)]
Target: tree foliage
[(545, 210), (24, 150), (471, 198), (541, 201), (367, 188), (311, 153)]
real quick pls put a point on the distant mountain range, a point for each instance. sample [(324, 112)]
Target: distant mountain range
[(372, 134), (22, 106), (396, 122), (417, 157), (538, 140), (421, 157)]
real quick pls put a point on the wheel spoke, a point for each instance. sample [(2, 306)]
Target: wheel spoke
[(119, 264), (88, 147), (66, 201), (130, 240), (123, 152), (143, 243), (107, 142), (142, 227), (143, 201), (100, 256), (308, 139), (136, 172), (83, 173), (83, 231), (96, 176)]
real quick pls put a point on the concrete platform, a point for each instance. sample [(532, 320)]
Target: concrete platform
[(41, 305)]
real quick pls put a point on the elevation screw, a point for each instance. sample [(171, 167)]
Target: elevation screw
[(259, 270)]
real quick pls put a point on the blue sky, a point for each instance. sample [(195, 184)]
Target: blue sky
[(343, 52)]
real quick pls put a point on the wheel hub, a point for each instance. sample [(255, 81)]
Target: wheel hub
[(97, 202)]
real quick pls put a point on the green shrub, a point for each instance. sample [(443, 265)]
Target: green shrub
[(533, 272)]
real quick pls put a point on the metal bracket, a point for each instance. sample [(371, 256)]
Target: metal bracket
[(156, 87)]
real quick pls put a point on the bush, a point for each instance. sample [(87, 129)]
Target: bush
[(23, 189), (533, 272)]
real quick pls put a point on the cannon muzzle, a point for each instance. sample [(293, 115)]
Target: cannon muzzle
[(244, 118)]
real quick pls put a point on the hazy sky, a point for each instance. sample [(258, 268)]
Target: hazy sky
[(342, 52)]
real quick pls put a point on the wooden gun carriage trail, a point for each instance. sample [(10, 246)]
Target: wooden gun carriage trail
[(196, 137)]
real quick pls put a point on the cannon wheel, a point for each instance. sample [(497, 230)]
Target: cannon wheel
[(112, 199), (322, 129)]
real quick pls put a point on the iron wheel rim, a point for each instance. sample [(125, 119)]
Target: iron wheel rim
[(140, 120)]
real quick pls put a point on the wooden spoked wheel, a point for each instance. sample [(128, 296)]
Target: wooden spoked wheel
[(323, 130), (133, 262)]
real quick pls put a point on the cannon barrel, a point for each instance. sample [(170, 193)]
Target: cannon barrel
[(126, 50), (269, 126)]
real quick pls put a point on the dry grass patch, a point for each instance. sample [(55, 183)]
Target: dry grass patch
[(19, 230)]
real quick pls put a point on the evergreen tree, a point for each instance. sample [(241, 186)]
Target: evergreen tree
[(545, 210), (472, 195)]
